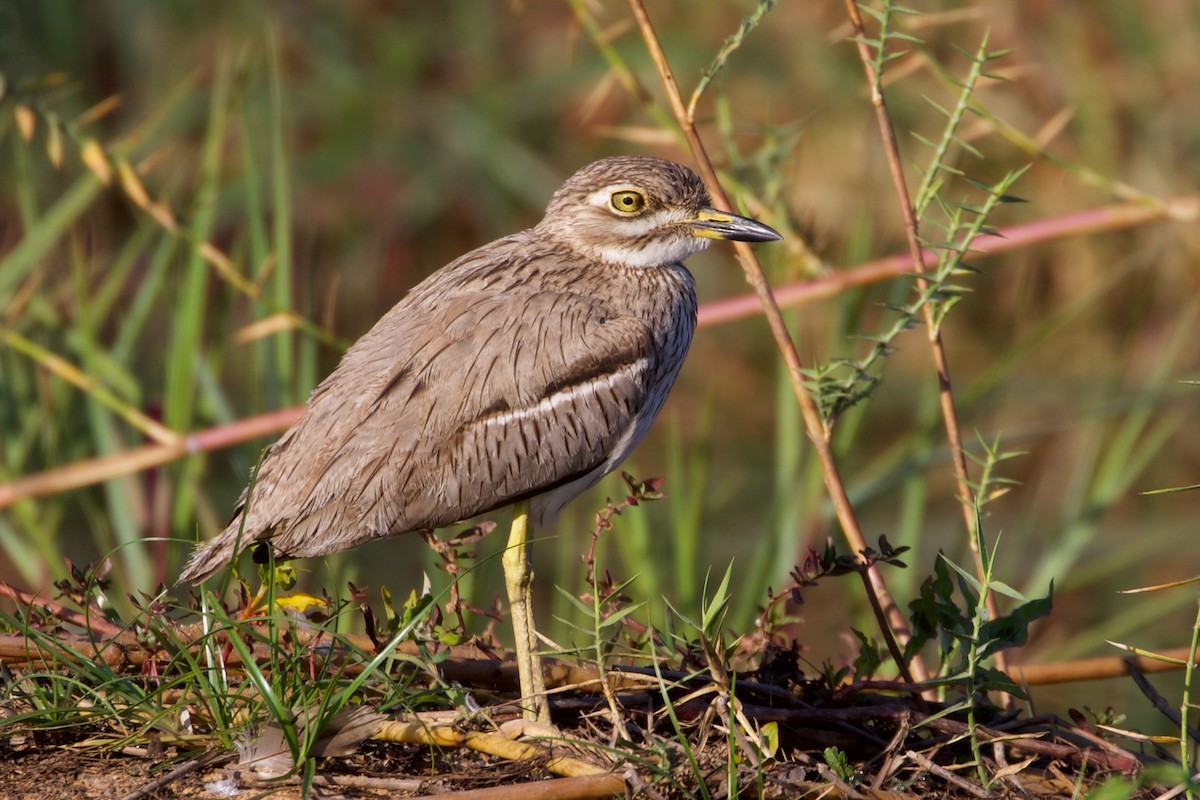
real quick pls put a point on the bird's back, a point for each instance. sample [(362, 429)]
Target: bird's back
[(520, 370)]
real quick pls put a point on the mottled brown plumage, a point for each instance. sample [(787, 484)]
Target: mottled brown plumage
[(529, 368)]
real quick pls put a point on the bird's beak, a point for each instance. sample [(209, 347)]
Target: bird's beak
[(712, 224)]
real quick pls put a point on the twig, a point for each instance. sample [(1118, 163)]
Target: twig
[(1110, 758), (639, 787), (897, 625), (89, 622), (1157, 700), (1181, 208), (583, 788), (355, 781), (937, 769), (891, 757), (469, 665), (97, 470), (1092, 669), (832, 777), (958, 454), (490, 743), (203, 760), (737, 724)]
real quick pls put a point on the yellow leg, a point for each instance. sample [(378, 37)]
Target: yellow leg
[(518, 580)]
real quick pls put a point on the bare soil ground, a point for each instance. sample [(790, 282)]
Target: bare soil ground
[(42, 767), (58, 773), (773, 732)]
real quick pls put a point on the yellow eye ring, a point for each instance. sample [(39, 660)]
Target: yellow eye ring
[(627, 202)]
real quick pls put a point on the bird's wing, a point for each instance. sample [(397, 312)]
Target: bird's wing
[(550, 396), (491, 397)]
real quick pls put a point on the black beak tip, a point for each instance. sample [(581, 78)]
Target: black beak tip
[(757, 233), (721, 225)]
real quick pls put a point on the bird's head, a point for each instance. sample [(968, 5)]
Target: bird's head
[(641, 211)]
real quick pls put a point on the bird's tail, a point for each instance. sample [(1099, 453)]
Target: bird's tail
[(208, 558)]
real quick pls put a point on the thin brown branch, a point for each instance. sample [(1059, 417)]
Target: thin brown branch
[(96, 470), (1094, 669), (958, 454), (464, 664), (817, 432), (1107, 755), (92, 622), (1182, 208), (161, 782), (1161, 704), (469, 665), (963, 785), (353, 781)]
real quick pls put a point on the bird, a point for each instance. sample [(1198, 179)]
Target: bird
[(519, 374)]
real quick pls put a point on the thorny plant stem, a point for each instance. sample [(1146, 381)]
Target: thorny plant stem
[(1187, 750), (897, 626), (958, 455)]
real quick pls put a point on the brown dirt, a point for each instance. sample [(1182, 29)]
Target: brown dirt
[(67, 774), (387, 770), (63, 774)]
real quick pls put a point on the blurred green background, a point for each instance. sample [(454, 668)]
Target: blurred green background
[(339, 152)]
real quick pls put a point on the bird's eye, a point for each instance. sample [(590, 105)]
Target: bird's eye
[(628, 201)]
